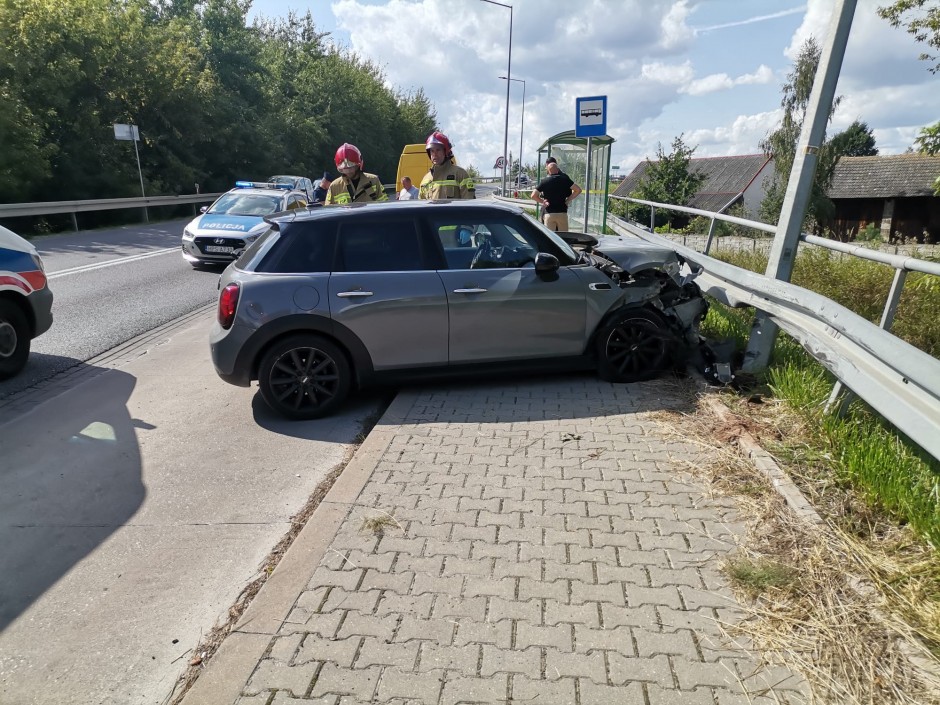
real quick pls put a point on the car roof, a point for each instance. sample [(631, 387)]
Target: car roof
[(391, 207)]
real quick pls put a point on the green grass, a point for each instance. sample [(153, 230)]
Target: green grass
[(860, 448), (759, 575)]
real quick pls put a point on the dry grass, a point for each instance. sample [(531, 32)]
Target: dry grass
[(379, 523), (852, 603)]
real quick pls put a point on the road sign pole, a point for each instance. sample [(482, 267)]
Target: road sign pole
[(587, 185), (141, 175)]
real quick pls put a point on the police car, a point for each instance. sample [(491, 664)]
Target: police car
[(25, 301), (236, 220)]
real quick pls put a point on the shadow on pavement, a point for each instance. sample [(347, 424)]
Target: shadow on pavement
[(70, 476)]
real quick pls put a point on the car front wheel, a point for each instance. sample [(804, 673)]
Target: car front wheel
[(14, 339), (636, 345), (304, 377)]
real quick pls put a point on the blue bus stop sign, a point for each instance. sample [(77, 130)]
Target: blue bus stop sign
[(591, 118)]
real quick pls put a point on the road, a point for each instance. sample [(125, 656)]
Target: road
[(139, 494)]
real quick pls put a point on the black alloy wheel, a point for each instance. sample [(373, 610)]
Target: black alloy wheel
[(304, 377), (14, 339), (636, 345)]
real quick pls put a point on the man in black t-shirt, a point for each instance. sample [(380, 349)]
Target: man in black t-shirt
[(554, 193)]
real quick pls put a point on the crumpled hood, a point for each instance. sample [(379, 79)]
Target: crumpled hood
[(634, 255)]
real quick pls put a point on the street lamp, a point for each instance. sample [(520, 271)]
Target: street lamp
[(508, 73), (521, 121)]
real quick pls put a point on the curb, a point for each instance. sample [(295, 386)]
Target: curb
[(243, 648)]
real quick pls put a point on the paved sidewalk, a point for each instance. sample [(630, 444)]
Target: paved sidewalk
[(538, 542)]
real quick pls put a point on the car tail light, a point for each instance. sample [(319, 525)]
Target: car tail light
[(228, 302)]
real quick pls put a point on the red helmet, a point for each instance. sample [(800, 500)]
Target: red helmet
[(348, 155), (441, 139)]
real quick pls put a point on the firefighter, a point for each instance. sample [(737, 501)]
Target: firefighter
[(445, 179), (354, 185)]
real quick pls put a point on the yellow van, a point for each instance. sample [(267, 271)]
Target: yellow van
[(414, 162)]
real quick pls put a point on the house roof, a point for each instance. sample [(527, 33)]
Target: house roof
[(725, 178), (893, 176)]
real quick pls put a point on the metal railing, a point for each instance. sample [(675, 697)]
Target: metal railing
[(17, 210), (899, 381)]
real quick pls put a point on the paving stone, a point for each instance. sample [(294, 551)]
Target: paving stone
[(533, 589), (412, 688), (678, 643), (497, 660), (449, 585), (398, 583), (586, 592), (558, 637), (272, 674), (655, 670), (416, 605), (475, 586), (459, 607), (498, 633), (638, 595), (364, 602), (589, 639), (430, 565), (379, 653), (528, 610), (439, 631), (556, 612), (360, 683), (504, 551), (463, 689), (346, 579), (474, 534), (635, 574), (283, 648), (593, 694), (339, 651), (463, 659), (540, 691), (462, 566), (695, 599), (357, 624), (503, 568), (560, 664)]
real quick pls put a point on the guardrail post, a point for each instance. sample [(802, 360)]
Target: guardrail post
[(894, 298), (74, 221), (652, 219), (146, 217), (708, 240)]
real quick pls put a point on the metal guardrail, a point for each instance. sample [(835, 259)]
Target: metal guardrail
[(16, 210), (899, 381)]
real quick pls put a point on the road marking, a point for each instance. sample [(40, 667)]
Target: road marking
[(109, 263)]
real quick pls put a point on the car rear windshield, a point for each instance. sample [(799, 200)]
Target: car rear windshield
[(301, 248)]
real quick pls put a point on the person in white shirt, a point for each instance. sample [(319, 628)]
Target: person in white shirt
[(408, 190)]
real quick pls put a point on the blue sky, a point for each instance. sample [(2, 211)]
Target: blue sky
[(711, 70)]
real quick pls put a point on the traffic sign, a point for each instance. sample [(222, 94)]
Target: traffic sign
[(500, 163), (591, 116)]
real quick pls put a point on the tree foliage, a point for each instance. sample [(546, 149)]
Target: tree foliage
[(781, 144), (857, 140), (670, 179), (215, 99), (928, 142), (921, 19)]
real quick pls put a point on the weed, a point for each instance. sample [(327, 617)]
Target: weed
[(755, 576)]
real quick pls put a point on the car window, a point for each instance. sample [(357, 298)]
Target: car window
[(379, 245), (296, 248), (246, 204), (485, 244)]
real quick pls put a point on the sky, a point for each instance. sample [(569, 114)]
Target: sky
[(709, 70)]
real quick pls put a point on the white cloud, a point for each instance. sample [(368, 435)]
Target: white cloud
[(670, 75)]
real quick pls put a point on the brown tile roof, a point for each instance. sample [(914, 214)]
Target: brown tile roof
[(725, 178), (893, 176)]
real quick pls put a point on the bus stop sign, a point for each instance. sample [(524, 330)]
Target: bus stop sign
[(591, 118)]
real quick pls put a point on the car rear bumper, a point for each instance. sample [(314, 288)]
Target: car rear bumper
[(225, 347)]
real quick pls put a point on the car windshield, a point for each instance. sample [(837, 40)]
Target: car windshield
[(562, 245), (291, 180), (246, 204)]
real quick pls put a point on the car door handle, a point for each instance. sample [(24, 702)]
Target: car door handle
[(354, 294), (470, 291), (599, 287)]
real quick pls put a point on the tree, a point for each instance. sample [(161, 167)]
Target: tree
[(668, 180), (928, 142), (781, 144), (857, 140), (920, 20)]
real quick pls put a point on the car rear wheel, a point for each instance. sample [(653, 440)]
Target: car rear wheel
[(14, 339), (636, 345), (304, 377)]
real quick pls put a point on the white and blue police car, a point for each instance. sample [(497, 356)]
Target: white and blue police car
[(235, 220), (25, 301)]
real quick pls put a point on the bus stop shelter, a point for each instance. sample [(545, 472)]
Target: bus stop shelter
[(572, 155)]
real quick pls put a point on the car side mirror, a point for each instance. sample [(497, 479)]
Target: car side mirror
[(546, 265), (203, 209)]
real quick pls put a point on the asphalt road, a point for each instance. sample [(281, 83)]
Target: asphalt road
[(110, 286), (139, 494)]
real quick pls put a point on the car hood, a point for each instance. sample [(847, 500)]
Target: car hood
[(635, 255), (219, 224)]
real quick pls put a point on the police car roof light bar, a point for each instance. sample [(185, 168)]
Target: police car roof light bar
[(262, 184)]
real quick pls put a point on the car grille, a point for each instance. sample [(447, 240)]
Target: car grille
[(203, 242)]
